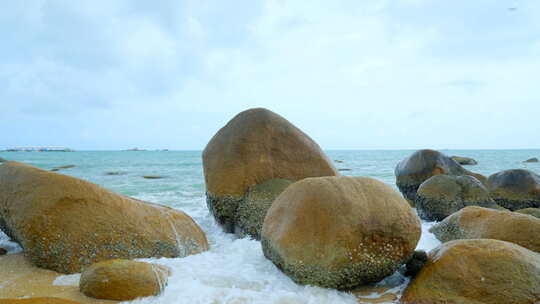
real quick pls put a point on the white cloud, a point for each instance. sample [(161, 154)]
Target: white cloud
[(379, 74)]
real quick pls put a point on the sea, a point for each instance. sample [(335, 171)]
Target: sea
[(234, 270)]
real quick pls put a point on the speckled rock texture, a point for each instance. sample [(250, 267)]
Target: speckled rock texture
[(530, 211), (123, 280), (483, 223), (423, 164), (467, 161), (37, 301), (479, 271), (257, 145), (515, 189), (441, 195), (339, 232), (65, 223), (252, 209)]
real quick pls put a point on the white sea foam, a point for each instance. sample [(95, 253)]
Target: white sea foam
[(5, 243), (68, 280)]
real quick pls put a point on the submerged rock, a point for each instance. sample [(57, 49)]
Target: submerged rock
[(339, 232), (442, 195), (530, 211), (115, 173), (464, 160), (152, 176), (63, 167), (257, 145), (531, 160), (2, 160), (123, 280), (344, 169), (482, 223), (515, 189), (477, 272), (423, 164), (65, 223)]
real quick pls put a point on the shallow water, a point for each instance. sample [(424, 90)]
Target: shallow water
[(233, 270)]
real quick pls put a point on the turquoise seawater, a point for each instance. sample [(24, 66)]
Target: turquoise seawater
[(233, 270)]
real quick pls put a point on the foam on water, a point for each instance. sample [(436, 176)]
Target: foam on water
[(67, 280), (234, 270)]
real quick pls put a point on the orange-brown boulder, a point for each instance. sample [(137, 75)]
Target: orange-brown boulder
[(423, 164), (256, 146), (479, 271), (339, 232), (38, 301), (483, 223), (123, 280), (65, 223)]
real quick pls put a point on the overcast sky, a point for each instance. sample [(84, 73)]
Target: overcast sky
[(396, 74)]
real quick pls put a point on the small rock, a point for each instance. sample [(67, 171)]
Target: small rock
[(152, 176), (123, 280), (415, 264), (115, 173), (338, 161), (344, 169), (62, 167), (464, 160), (531, 160), (3, 251), (2, 160)]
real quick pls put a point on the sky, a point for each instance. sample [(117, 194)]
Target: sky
[(381, 74)]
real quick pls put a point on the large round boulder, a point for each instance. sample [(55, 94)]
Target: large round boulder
[(442, 195), (123, 280), (466, 161), (483, 223), (256, 146), (478, 271), (65, 223), (423, 164), (339, 232), (515, 189)]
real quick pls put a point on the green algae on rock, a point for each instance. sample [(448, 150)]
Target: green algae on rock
[(441, 195), (339, 232), (258, 199), (515, 189)]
